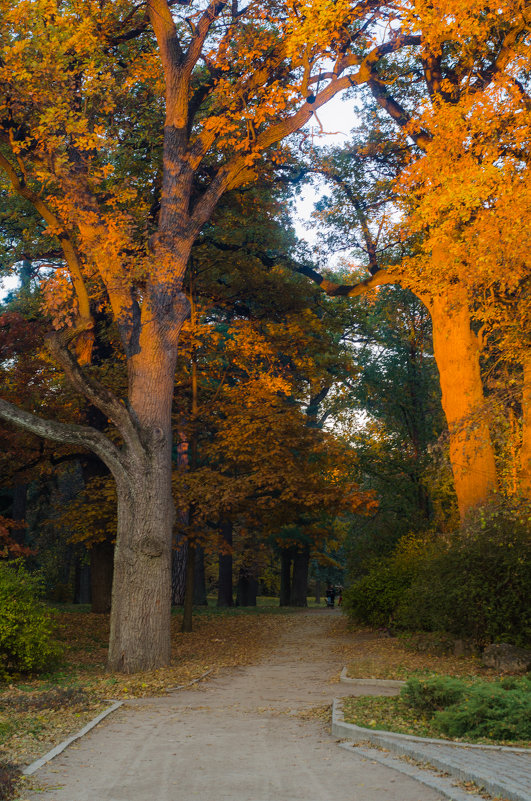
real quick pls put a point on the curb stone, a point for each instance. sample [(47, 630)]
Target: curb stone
[(30, 769), (441, 784), (58, 749), (422, 749)]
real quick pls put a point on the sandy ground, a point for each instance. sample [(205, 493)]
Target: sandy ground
[(242, 735)]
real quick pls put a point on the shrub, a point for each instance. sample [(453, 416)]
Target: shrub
[(491, 711), (431, 694), (26, 643), (477, 583), (374, 598)]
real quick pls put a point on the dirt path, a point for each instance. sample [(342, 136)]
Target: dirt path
[(244, 735)]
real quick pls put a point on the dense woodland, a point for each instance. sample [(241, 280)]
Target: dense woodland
[(194, 399)]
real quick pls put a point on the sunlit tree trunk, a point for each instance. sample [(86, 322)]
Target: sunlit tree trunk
[(456, 351), (141, 607)]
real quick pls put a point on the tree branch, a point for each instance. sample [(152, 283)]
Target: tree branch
[(96, 393), (71, 434)]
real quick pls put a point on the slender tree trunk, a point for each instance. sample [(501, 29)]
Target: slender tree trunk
[(189, 593), (101, 572), (318, 591), (200, 596), (178, 572), (525, 450), (456, 352), (225, 567), (299, 587), (285, 576)]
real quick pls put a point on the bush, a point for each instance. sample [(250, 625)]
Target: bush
[(374, 598), (477, 583), (26, 643), (491, 710), (431, 694)]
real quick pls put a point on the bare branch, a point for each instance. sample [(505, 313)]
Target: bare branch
[(96, 393), (68, 433)]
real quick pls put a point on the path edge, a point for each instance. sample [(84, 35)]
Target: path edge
[(58, 749), (407, 745)]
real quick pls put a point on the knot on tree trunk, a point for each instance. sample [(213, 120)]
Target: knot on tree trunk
[(151, 546)]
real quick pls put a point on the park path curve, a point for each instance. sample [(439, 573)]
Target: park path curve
[(238, 736)]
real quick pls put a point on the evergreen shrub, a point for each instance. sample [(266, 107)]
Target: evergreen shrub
[(26, 626), (498, 710)]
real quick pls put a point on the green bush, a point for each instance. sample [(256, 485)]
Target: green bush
[(26, 628), (477, 583), (492, 710), (374, 598), (433, 693)]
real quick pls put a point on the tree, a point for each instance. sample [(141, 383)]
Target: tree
[(122, 126), (444, 95)]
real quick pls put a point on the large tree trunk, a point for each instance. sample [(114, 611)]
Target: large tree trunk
[(141, 599), (456, 352), (141, 602), (525, 450)]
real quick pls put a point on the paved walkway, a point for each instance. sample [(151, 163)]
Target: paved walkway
[(501, 771), (244, 735)]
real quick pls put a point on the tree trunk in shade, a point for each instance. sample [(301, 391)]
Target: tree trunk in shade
[(101, 572), (299, 586), (285, 576), (225, 566)]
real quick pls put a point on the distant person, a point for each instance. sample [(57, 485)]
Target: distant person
[(340, 593)]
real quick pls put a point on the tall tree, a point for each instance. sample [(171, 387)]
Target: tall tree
[(122, 125)]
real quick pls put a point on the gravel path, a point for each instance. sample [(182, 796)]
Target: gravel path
[(240, 736)]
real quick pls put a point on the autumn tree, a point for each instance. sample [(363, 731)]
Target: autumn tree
[(122, 126), (443, 94)]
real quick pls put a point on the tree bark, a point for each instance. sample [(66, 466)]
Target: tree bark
[(285, 576), (200, 596), (299, 587), (456, 351), (247, 588), (525, 450), (225, 567), (101, 573)]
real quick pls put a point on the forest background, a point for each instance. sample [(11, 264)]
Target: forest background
[(206, 404)]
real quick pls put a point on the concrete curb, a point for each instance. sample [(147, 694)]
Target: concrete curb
[(58, 749), (69, 740), (408, 745), (441, 784), (370, 682)]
